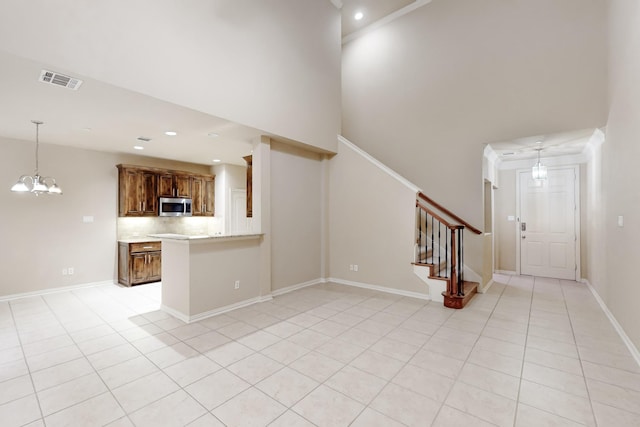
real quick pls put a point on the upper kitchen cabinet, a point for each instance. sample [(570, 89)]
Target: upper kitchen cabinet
[(174, 185), (249, 160), (137, 192), (203, 192)]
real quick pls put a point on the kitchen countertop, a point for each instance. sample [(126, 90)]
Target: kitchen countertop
[(172, 236), (139, 239)]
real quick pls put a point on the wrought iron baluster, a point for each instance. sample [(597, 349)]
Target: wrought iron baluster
[(439, 246), (446, 252), (432, 248)]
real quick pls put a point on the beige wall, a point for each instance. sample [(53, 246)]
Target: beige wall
[(214, 269), (270, 64), (595, 244), (505, 231), (423, 93), (372, 224), (620, 173), (296, 216), (42, 235)]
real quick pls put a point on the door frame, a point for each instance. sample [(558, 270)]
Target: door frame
[(576, 213)]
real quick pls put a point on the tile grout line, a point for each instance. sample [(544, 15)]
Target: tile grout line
[(467, 360), (84, 356), (573, 334), (524, 355), (35, 394)]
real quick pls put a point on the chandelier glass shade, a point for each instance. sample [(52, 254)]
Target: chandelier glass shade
[(36, 184), (539, 171)]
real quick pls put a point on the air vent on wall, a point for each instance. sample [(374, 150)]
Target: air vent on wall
[(58, 79), (144, 138)]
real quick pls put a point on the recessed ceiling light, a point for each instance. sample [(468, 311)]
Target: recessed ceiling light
[(171, 133), (86, 129), (138, 147), (358, 16), (213, 135), (216, 160)]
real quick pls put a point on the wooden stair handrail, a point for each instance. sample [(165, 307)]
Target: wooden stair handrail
[(439, 218), (448, 213)]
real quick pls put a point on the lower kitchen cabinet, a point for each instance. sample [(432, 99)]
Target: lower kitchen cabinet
[(139, 262)]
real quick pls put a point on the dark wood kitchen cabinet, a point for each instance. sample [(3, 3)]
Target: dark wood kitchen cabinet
[(203, 193), (137, 192), (249, 160), (174, 185), (139, 262), (139, 189)]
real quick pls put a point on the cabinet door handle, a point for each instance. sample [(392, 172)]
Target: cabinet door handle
[(140, 206), (147, 247)]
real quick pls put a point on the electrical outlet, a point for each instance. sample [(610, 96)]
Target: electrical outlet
[(350, 267), (237, 285), (70, 270), (355, 267), (64, 271)]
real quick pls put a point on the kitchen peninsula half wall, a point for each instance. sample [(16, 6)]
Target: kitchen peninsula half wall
[(204, 276)]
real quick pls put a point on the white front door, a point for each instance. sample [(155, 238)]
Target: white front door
[(548, 210)]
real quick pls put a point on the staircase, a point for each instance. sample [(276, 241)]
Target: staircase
[(440, 250)]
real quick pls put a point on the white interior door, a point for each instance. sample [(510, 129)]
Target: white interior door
[(239, 223), (548, 210)]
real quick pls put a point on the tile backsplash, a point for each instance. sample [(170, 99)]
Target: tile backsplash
[(129, 227)]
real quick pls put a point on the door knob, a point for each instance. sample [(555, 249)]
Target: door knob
[(524, 237)]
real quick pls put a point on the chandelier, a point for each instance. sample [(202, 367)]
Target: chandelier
[(36, 184), (539, 171)]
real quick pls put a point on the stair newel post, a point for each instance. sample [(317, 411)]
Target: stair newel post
[(453, 275), (460, 277)]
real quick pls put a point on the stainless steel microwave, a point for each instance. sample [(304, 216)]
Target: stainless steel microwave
[(172, 206)]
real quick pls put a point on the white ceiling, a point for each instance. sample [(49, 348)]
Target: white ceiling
[(103, 117), (373, 11), (555, 145)]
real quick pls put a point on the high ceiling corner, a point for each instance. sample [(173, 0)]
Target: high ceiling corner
[(372, 12)]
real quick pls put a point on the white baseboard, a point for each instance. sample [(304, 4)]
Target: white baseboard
[(200, 316), (487, 286), (506, 272), (380, 288), (189, 319), (625, 338), (54, 290), (292, 288)]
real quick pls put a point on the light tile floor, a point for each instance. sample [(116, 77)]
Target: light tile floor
[(530, 352)]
